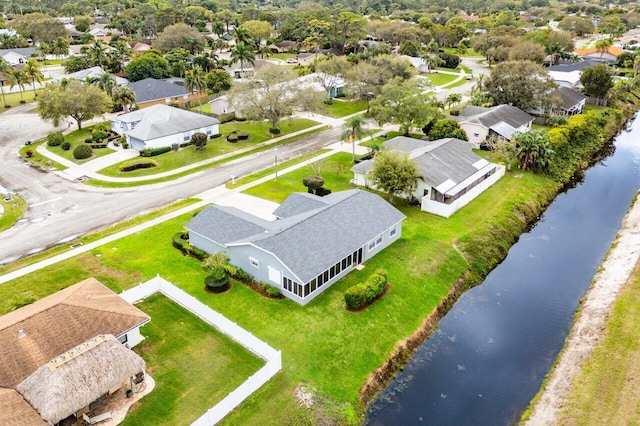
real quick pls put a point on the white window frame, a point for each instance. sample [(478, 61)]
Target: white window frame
[(254, 262), (393, 232)]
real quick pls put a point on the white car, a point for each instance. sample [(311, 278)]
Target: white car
[(292, 61)]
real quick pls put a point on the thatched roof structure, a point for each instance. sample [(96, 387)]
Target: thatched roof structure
[(33, 335), (15, 411), (75, 379)]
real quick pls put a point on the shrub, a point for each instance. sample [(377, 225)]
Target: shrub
[(217, 281), (183, 144), (81, 152), (215, 136), (243, 276), (151, 152), (181, 242), (321, 192), (55, 139), (65, 146), (98, 134), (243, 135), (363, 294), (199, 139), (450, 61), (274, 131), (130, 166), (269, 290), (29, 153), (88, 140), (233, 138)]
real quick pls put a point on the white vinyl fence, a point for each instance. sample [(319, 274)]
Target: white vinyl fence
[(234, 331)]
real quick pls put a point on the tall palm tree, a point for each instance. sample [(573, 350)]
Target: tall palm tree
[(32, 69), (96, 52), (60, 47), (454, 99), (354, 131), (194, 80), (124, 96), (432, 61), (217, 28), (243, 53), (5, 69), (18, 78), (242, 35)]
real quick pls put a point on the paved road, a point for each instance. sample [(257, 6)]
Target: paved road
[(61, 210)]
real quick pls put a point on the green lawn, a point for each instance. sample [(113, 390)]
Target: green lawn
[(323, 345), (281, 56), (467, 53), (456, 84), (36, 158), (77, 137), (13, 99), (607, 387), (13, 210), (258, 133), (440, 79), (205, 107), (390, 135), (193, 364), (343, 108), (335, 171)]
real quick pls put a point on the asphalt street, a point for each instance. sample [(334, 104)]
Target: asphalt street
[(60, 210)]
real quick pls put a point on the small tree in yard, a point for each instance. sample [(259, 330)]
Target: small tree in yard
[(199, 139), (395, 173), (533, 150), (447, 129), (313, 183)]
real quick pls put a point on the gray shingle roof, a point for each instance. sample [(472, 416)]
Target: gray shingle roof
[(487, 117), (93, 72), (570, 97), (403, 143), (572, 66), (24, 51), (310, 242), (162, 120), (151, 89), (297, 203), (438, 161)]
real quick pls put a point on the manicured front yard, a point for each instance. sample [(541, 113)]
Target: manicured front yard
[(331, 350), (341, 108), (13, 99), (193, 364), (440, 79), (76, 138), (258, 133), (13, 210)]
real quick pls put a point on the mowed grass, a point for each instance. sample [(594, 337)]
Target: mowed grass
[(440, 79), (607, 388), (13, 99), (76, 138), (13, 210), (194, 365), (335, 171), (341, 108), (324, 346), (258, 133)]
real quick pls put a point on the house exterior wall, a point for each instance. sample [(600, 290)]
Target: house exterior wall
[(472, 130), (177, 138), (14, 58), (204, 243), (133, 337), (447, 210)]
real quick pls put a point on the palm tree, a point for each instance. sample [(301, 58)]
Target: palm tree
[(124, 96), (242, 35), (453, 99), (243, 53), (32, 69), (603, 45), (105, 81), (194, 80), (353, 131), (432, 47), (60, 47), (5, 69), (432, 61), (217, 28), (19, 78), (97, 53)]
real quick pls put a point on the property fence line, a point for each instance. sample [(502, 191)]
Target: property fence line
[(272, 356)]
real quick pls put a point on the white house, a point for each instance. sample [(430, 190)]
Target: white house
[(451, 174), (313, 243), (17, 56), (90, 73), (501, 120), (162, 125), (568, 74), (418, 63)]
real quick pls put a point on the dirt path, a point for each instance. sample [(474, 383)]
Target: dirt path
[(590, 326)]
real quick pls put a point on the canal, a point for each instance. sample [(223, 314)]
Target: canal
[(488, 357)]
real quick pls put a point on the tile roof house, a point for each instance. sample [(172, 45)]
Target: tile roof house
[(451, 174), (162, 125), (151, 91), (608, 54), (17, 56), (58, 329), (501, 120), (90, 73), (313, 243)]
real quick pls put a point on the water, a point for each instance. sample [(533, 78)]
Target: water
[(492, 350)]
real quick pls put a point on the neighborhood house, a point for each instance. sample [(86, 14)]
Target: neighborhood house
[(313, 243), (451, 174), (62, 353), (502, 121), (151, 91), (162, 125)]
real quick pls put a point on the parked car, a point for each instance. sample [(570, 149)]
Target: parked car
[(292, 61)]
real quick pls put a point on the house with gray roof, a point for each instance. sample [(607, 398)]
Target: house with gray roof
[(88, 74), (151, 91), (313, 243), (501, 121), (17, 56), (451, 174), (162, 125)]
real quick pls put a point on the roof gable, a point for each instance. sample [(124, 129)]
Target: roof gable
[(151, 89), (488, 117)]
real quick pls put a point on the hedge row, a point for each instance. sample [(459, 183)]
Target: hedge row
[(137, 164), (181, 242), (363, 294), (151, 152)]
